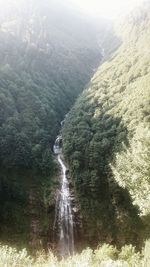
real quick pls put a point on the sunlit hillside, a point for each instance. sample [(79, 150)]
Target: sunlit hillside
[(107, 140)]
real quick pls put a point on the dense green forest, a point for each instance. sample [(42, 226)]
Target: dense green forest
[(42, 71), (107, 141), (46, 58), (48, 53)]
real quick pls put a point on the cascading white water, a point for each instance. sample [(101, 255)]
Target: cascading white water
[(63, 216)]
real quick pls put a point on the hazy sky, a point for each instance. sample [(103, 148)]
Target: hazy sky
[(106, 8)]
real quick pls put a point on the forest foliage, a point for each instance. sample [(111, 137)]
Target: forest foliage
[(103, 256), (46, 58), (106, 139)]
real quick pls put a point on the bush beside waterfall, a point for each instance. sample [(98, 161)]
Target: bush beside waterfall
[(103, 256)]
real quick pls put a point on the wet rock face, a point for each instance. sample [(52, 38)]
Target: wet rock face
[(63, 223), (51, 208), (78, 231), (67, 225), (77, 217), (67, 172)]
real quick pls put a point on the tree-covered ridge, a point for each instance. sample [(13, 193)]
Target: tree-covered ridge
[(101, 131), (45, 63), (132, 169)]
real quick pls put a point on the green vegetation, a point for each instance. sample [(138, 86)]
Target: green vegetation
[(103, 256), (46, 58), (39, 81), (132, 169), (106, 141)]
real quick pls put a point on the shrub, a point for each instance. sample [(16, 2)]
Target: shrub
[(10, 257), (105, 252)]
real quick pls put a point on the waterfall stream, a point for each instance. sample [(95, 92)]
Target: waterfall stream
[(63, 213)]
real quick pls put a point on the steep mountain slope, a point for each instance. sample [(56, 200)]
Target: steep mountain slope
[(106, 139), (46, 58), (42, 71)]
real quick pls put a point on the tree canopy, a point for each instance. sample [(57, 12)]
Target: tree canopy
[(106, 137)]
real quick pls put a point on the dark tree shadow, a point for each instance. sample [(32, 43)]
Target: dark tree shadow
[(108, 214)]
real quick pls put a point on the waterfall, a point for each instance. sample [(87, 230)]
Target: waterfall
[(63, 213)]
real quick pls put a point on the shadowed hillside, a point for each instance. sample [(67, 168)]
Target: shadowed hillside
[(46, 58)]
